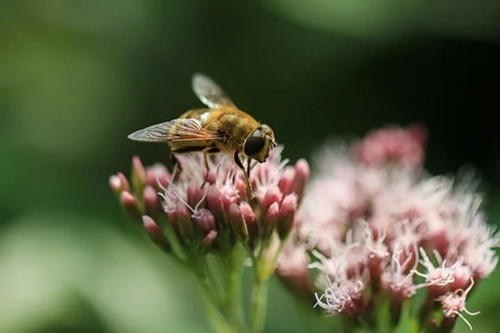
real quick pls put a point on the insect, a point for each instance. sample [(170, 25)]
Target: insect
[(222, 128)]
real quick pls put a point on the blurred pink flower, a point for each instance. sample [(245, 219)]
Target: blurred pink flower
[(392, 144), (375, 223)]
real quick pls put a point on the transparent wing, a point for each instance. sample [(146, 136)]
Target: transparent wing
[(209, 92), (177, 130)]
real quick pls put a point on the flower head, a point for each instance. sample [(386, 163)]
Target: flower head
[(211, 212), (378, 228)]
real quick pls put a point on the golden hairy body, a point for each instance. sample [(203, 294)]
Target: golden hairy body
[(231, 125), (220, 128)]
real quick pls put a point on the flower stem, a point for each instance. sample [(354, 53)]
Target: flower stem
[(217, 319), (233, 304), (258, 307)]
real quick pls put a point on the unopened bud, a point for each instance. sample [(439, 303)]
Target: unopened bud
[(272, 195), (210, 238), (157, 176), (194, 195), (302, 173), (237, 222), (125, 184), (184, 222), (139, 177), (151, 202), (241, 187), (115, 184), (173, 220), (211, 176), (119, 183), (205, 220), (215, 204), (271, 219), (250, 220), (461, 278), (154, 232), (286, 181), (130, 206), (287, 215)]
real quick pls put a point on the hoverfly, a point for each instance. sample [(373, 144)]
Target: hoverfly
[(221, 128)]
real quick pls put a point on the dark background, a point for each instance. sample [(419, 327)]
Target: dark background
[(76, 77)]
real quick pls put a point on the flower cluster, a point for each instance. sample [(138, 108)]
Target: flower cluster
[(377, 229), (204, 219), (210, 211)]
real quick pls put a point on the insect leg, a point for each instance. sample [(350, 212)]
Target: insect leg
[(247, 181), (249, 160), (177, 167), (205, 159)]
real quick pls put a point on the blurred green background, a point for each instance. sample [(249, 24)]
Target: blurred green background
[(77, 76)]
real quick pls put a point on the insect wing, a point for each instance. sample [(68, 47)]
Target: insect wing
[(177, 130), (209, 92)]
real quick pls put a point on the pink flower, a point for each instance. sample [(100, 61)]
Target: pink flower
[(212, 212), (453, 303), (375, 227), (392, 144), (397, 278)]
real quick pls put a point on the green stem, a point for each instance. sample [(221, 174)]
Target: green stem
[(233, 305), (219, 277), (215, 316), (264, 264), (258, 307)]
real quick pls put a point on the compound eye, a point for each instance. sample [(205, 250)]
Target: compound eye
[(254, 145)]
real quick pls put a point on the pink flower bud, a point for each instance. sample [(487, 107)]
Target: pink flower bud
[(241, 187), (375, 265), (250, 220), (194, 195), (130, 205), (205, 219), (271, 219), (157, 176), (124, 180), (116, 184), (237, 221), (285, 183), (151, 202), (211, 177), (154, 232), (215, 204), (119, 183), (139, 177), (272, 195), (287, 215), (173, 221), (184, 222), (461, 278), (302, 173), (210, 238)]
